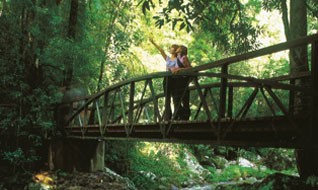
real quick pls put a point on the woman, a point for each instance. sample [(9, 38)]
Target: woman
[(168, 82), (182, 93), (183, 61)]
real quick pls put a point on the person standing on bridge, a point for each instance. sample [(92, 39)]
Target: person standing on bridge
[(182, 93), (168, 82)]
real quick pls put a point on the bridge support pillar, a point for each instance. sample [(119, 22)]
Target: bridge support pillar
[(76, 154), (98, 160)]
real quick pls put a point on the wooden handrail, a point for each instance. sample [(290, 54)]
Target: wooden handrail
[(256, 53)]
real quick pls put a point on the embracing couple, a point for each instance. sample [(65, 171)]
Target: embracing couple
[(176, 87)]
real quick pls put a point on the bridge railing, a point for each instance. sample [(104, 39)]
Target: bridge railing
[(141, 101)]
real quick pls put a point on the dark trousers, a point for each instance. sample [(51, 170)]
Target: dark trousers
[(177, 88)]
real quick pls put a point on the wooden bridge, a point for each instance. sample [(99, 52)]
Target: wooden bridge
[(220, 115)]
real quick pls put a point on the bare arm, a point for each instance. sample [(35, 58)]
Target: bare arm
[(186, 64), (164, 55)]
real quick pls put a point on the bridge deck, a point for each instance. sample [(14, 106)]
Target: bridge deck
[(269, 131)]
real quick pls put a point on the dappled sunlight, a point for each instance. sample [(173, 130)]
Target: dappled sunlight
[(167, 149), (153, 63), (263, 67), (45, 180), (273, 28)]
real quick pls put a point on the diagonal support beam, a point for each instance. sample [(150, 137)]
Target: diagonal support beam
[(203, 100), (242, 113)]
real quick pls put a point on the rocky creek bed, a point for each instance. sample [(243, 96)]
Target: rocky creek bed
[(108, 180)]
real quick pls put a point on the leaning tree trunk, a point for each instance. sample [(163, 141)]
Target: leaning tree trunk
[(307, 163)]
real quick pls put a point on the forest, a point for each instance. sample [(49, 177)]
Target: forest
[(48, 47)]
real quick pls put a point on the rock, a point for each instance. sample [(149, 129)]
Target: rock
[(84, 181), (280, 181), (173, 187), (206, 187), (149, 175), (162, 187), (218, 171), (75, 188), (251, 180), (245, 163), (163, 179), (219, 162), (184, 184)]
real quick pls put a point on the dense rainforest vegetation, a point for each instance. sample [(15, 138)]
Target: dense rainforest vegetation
[(50, 46)]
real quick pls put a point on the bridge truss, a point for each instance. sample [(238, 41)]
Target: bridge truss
[(134, 109)]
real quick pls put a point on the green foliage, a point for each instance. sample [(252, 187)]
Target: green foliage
[(312, 8), (154, 163), (312, 181), (228, 22), (234, 173), (278, 159), (18, 157), (157, 165)]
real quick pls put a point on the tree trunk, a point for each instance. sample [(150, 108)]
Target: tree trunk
[(71, 34), (4, 7), (298, 56), (298, 28), (306, 158), (72, 19), (110, 28)]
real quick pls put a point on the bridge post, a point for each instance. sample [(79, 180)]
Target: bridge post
[(230, 103), (76, 154), (222, 107), (98, 159)]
